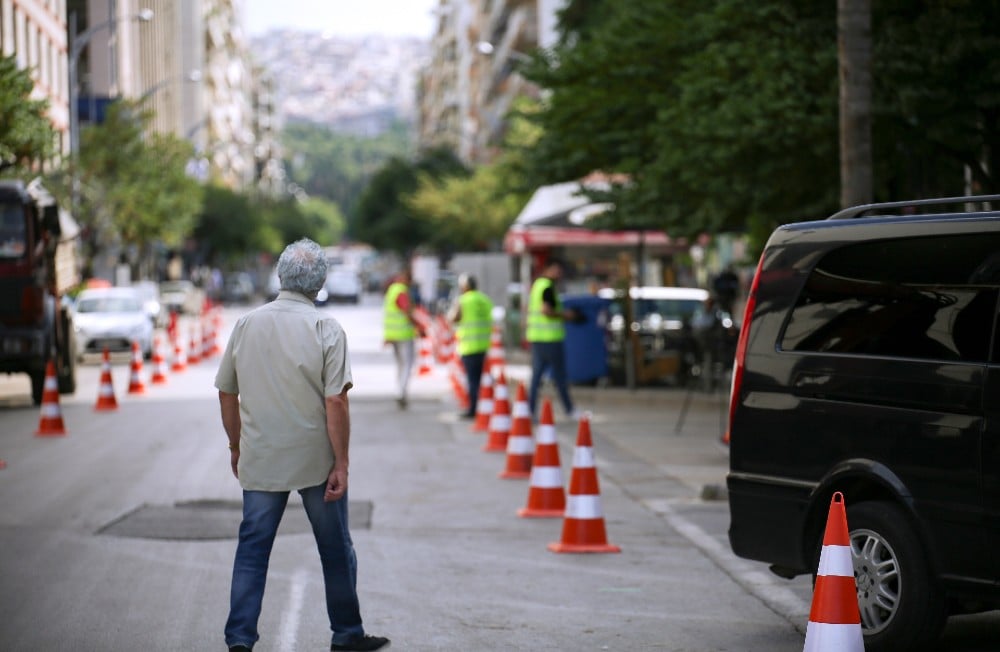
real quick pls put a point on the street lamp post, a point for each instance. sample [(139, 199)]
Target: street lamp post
[(77, 43)]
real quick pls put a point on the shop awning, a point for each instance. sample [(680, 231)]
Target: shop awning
[(519, 238), (556, 216)]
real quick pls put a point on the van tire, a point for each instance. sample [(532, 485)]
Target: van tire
[(880, 532)]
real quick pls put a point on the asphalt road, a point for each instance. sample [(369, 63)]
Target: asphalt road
[(120, 534)]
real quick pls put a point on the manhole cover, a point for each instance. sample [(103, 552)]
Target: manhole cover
[(214, 519)]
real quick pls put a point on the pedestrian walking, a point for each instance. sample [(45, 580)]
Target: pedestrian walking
[(283, 383), (473, 315), (400, 329), (546, 333)]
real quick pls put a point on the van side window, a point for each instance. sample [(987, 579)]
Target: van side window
[(930, 298)]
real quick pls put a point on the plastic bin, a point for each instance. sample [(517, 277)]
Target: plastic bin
[(586, 344)]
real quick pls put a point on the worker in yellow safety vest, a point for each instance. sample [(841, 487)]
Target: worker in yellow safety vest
[(473, 314), (546, 332), (400, 329)]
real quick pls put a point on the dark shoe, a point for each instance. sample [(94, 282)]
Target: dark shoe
[(466, 415), (239, 648), (361, 643)]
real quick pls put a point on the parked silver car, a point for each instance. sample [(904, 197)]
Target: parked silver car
[(111, 318)]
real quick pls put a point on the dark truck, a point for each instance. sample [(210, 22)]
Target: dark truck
[(37, 267)]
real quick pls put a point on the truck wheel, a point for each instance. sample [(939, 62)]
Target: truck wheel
[(37, 386), (901, 609), (67, 356), (67, 374)]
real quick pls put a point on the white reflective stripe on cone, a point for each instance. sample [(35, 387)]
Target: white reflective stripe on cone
[(583, 457), (500, 422), (546, 477), (50, 410), (588, 506), (836, 560), (546, 434), (827, 637), (521, 410), (519, 445)]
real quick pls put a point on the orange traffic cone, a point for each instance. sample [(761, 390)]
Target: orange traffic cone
[(495, 358), (194, 349), (499, 429), (106, 392), (135, 384), (834, 620), (216, 327), (520, 443), (484, 406), (425, 357), (206, 336), (583, 526), (546, 495), (456, 374), (180, 357), (444, 340), (51, 421), (159, 364)]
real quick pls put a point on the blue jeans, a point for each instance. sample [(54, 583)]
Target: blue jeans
[(551, 357), (262, 512)]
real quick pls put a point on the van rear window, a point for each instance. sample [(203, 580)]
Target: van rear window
[(930, 298)]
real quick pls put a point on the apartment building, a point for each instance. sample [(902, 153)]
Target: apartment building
[(189, 62), (34, 31), (472, 80)]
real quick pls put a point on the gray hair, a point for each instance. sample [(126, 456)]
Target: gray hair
[(302, 268)]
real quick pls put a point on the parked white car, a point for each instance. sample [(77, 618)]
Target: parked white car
[(111, 318)]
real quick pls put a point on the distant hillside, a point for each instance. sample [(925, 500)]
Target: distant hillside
[(356, 85)]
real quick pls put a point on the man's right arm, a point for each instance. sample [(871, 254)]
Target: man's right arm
[(231, 423)]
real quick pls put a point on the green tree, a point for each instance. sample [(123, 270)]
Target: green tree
[(384, 219), (473, 212), (336, 166), (26, 135), (231, 228), (723, 114), (134, 190)]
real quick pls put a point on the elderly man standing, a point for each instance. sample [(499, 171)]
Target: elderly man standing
[(473, 313), (283, 383)]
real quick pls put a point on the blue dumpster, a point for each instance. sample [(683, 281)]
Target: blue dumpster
[(586, 346)]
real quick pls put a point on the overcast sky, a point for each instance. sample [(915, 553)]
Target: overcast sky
[(342, 17)]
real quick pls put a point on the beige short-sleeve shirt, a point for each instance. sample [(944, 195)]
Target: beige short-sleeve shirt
[(283, 359)]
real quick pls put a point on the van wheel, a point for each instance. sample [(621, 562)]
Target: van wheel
[(900, 607)]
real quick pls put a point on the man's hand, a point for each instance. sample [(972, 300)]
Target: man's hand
[(234, 460), (336, 485)]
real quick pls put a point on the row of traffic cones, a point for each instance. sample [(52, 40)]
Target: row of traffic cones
[(834, 620), (509, 430), (51, 422)]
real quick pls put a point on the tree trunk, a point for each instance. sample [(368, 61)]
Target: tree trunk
[(854, 49)]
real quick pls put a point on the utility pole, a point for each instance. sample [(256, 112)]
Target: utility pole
[(854, 52)]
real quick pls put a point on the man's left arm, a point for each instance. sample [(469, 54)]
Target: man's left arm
[(338, 429)]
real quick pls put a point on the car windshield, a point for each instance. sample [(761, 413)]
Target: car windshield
[(13, 232), (108, 304)]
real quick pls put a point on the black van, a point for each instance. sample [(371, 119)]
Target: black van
[(869, 364)]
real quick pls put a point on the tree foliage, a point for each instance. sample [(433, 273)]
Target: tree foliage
[(135, 185), (473, 212), (26, 135), (383, 217), (338, 166), (723, 113)]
